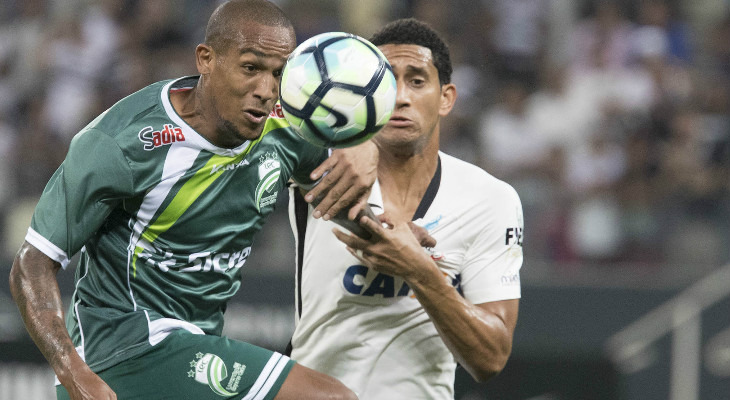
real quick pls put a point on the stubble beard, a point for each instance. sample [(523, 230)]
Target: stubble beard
[(402, 147), (231, 135)]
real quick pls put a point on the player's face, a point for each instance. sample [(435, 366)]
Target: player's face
[(421, 99), (244, 81)]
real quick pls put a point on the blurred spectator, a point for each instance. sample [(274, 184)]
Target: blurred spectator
[(311, 17), (519, 38), (78, 55), (596, 166), (719, 47), (38, 150), (512, 146), (638, 199), (593, 172), (8, 195), (659, 14), (603, 39), (364, 21), (562, 116), (21, 39)]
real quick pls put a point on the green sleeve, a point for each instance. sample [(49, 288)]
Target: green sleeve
[(93, 179), (313, 156)]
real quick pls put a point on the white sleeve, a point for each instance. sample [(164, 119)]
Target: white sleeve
[(491, 269)]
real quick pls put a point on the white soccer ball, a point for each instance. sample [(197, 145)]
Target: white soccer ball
[(337, 90)]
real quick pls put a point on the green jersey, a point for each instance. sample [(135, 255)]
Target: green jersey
[(163, 219)]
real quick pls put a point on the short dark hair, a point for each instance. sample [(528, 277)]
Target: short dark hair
[(223, 24), (413, 31)]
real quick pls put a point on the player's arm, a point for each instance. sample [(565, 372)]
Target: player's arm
[(479, 336), (346, 178), (35, 290)]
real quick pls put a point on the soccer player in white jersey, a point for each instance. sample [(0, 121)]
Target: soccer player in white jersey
[(386, 316), (162, 195)]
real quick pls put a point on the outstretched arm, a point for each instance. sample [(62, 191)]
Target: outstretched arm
[(479, 336), (35, 289)]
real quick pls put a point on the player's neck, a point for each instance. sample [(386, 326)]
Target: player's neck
[(404, 179), (184, 103), (191, 109)]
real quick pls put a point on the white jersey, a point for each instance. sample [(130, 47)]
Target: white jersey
[(367, 328)]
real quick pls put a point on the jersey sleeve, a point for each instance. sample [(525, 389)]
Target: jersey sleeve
[(311, 157), (491, 270), (308, 156), (93, 179)]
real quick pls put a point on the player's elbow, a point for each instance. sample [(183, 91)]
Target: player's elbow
[(29, 266), (487, 371), (15, 279), (489, 367)]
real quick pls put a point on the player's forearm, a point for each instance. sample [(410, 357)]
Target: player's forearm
[(35, 291), (481, 342)]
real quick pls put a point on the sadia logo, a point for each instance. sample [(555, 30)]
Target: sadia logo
[(210, 369), (277, 112), (153, 139), (269, 171)]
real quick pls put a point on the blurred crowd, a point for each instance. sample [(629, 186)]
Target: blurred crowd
[(611, 118)]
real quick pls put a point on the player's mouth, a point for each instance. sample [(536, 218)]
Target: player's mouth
[(255, 115), (398, 121)]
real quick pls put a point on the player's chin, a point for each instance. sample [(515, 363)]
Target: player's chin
[(251, 131), (398, 132), (241, 131)]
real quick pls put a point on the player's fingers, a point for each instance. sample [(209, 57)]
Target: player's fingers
[(424, 239), (327, 165), (322, 194), (358, 208), (340, 197), (347, 239), (359, 254), (372, 226), (385, 218)]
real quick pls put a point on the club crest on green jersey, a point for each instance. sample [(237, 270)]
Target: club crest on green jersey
[(269, 171), (209, 369)]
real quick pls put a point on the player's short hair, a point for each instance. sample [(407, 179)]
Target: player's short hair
[(225, 22), (413, 31)]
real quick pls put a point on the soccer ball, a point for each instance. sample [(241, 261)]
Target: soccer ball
[(337, 90)]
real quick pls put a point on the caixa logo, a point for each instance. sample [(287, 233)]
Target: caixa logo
[(153, 139), (361, 280)]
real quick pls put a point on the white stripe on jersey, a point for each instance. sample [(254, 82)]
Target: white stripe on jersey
[(46, 247), (179, 159), (269, 374), (283, 360)]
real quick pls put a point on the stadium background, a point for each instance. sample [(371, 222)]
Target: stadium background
[(611, 119)]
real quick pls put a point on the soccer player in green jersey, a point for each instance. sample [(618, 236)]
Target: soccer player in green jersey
[(161, 196)]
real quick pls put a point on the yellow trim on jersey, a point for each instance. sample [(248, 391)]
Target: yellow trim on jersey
[(191, 191)]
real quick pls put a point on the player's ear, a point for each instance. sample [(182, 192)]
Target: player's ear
[(448, 98), (204, 58)]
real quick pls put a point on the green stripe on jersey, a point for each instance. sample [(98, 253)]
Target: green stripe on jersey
[(188, 193)]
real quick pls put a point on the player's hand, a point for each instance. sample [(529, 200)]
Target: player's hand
[(422, 235), (393, 250), (347, 176), (89, 386), (419, 232)]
